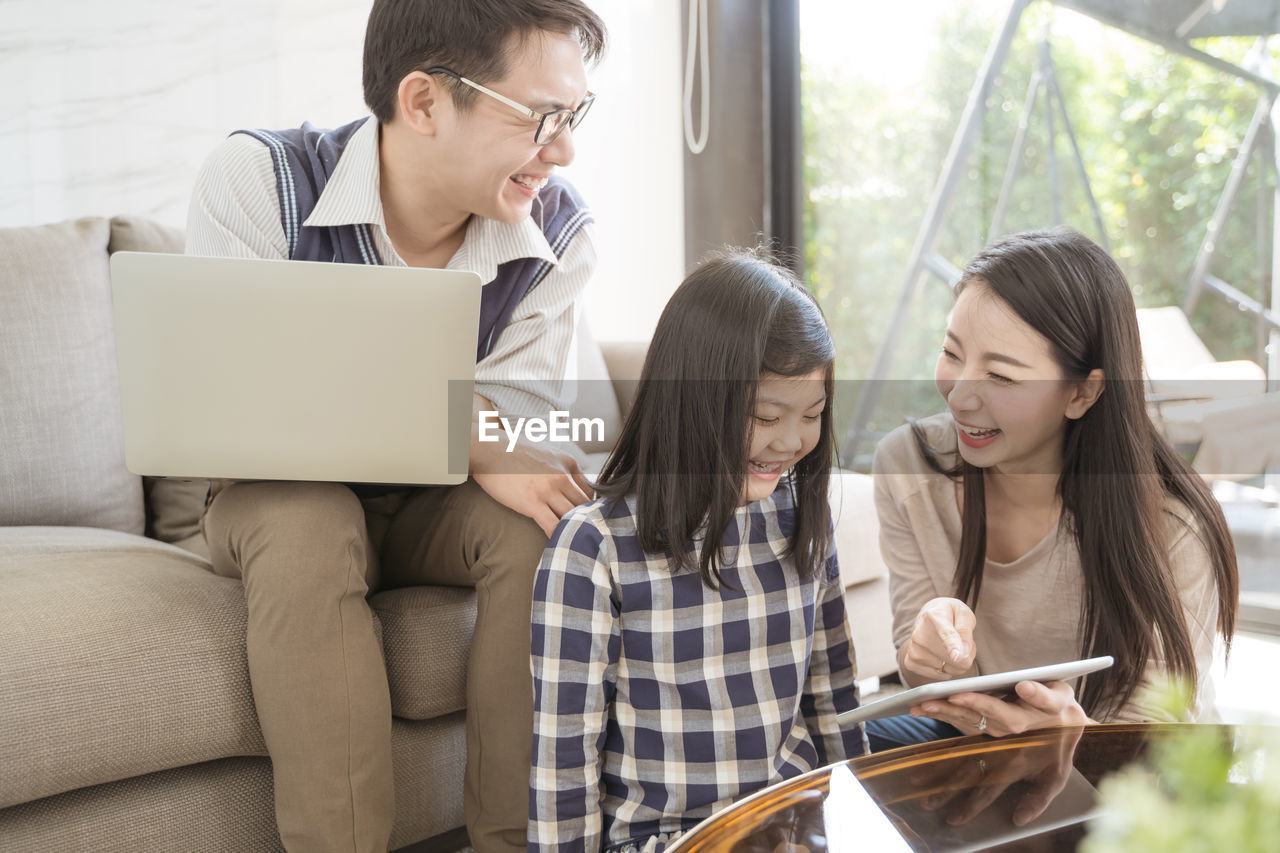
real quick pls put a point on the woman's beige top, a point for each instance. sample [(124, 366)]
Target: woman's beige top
[(1029, 610)]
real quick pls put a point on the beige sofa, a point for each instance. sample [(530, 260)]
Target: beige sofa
[(126, 718)]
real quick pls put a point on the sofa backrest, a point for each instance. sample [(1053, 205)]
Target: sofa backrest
[(594, 393), (61, 448)]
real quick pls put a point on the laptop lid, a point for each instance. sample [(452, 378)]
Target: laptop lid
[(294, 370)]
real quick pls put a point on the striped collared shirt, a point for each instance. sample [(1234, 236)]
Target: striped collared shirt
[(657, 700), (235, 212)]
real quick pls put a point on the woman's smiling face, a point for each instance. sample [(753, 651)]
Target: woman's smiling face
[(1006, 391)]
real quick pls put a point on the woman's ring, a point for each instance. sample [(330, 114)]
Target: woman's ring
[(982, 769), (981, 725)]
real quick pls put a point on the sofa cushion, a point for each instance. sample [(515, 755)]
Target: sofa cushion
[(174, 507), (214, 807), (426, 639), (63, 452), (136, 234), (154, 674), (122, 656), (228, 805)]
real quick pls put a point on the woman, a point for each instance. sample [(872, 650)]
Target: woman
[(1043, 517)]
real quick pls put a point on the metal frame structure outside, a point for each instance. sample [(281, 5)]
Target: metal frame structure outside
[(925, 260)]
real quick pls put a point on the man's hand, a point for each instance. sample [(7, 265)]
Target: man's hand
[(533, 479), (941, 644)]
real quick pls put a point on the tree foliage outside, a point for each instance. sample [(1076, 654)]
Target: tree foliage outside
[(1158, 133)]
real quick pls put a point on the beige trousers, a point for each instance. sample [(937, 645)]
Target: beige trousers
[(308, 555)]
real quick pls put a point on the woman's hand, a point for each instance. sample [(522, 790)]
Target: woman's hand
[(941, 644), (1034, 706)]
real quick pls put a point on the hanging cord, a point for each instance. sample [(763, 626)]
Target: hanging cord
[(698, 30)]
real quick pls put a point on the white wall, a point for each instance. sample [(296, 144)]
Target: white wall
[(630, 166), (110, 107)]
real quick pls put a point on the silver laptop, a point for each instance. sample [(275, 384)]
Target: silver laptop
[(291, 370)]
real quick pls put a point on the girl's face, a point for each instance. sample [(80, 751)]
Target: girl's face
[(1006, 392), (786, 426)]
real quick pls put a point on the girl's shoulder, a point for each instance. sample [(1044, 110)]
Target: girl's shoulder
[(602, 518)]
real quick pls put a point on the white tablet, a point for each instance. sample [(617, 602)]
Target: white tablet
[(900, 703)]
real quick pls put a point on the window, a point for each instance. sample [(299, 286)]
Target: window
[(884, 88)]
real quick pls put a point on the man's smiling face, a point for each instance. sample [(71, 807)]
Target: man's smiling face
[(497, 167)]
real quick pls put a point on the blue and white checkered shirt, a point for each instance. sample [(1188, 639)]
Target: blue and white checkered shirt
[(658, 701)]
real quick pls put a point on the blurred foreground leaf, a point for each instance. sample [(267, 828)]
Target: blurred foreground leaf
[(1200, 792)]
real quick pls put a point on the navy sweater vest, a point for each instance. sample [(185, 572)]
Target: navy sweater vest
[(305, 157)]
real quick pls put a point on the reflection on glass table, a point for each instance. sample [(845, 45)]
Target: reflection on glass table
[(1029, 792)]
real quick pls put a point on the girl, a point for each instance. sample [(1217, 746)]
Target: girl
[(1043, 518), (689, 634)]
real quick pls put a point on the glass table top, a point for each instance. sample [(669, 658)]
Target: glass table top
[(1030, 792)]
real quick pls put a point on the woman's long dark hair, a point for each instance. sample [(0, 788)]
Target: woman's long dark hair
[(684, 445), (1117, 469)]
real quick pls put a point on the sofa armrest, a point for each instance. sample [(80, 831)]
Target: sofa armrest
[(863, 571), (857, 527), (871, 626)]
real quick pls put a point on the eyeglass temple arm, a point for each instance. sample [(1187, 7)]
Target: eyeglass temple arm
[(473, 84)]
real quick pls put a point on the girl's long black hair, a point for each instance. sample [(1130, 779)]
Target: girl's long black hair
[(1117, 469), (684, 445)]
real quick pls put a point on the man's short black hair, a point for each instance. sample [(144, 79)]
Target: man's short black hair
[(469, 37)]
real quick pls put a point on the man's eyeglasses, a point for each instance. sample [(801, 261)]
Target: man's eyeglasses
[(550, 125)]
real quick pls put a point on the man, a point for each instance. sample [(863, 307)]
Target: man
[(474, 104)]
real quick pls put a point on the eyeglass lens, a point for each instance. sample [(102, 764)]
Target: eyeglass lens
[(554, 123)]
